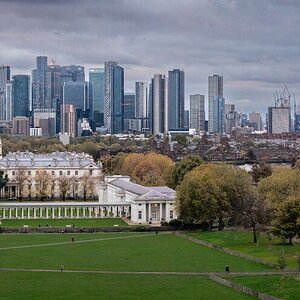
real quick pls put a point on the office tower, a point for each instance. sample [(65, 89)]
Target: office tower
[(297, 118), (54, 83), (232, 118), (244, 120), (255, 121), (186, 123), (279, 119), (75, 93), (21, 92), (21, 126), (158, 92), (129, 110), (45, 118), (197, 112), (113, 97), (39, 84), (4, 76), (215, 103), (68, 120), (96, 84), (176, 99), (141, 103), (72, 73)]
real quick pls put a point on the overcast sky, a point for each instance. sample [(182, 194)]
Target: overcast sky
[(254, 44)]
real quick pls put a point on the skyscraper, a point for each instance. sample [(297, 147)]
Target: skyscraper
[(20, 90), (72, 73), (113, 97), (54, 84), (75, 93), (215, 103), (279, 119), (158, 92), (4, 76), (255, 121), (141, 102), (96, 80), (129, 110), (39, 84), (197, 112), (176, 99)]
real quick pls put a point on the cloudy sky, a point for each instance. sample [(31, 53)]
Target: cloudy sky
[(254, 44)]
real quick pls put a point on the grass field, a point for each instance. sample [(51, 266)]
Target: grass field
[(266, 249), (103, 222), (284, 287), (112, 252)]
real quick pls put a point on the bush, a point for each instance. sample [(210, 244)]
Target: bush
[(164, 223), (141, 228), (175, 223)]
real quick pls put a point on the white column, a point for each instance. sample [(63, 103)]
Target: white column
[(53, 212), (47, 216), (9, 213), (22, 213), (160, 211), (149, 212), (34, 213), (77, 212), (100, 211), (59, 212), (83, 212), (65, 212), (71, 212), (90, 212)]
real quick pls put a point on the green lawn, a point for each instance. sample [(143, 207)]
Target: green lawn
[(23, 285), (100, 222), (266, 249), (284, 287), (145, 252)]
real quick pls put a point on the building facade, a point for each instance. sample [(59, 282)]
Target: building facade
[(197, 112), (21, 90)]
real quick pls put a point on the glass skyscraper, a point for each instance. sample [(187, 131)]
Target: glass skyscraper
[(96, 86), (197, 112), (20, 95), (113, 97), (176, 99)]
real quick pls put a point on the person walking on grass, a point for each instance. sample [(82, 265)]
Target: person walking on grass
[(72, 239), (62, 267), (227, 269)]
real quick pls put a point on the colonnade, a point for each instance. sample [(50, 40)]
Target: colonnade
[(61, 211)]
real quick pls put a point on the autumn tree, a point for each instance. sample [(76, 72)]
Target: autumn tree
[(64, 185), (113, 164), (21, 180), (260, 171), (42, 180)]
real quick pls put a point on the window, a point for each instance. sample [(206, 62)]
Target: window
[(171, 214), (76, 172), (60, 172), (13, 173), (91, 172), (53, 173), (29, 172), (140, 215), (68, 172)]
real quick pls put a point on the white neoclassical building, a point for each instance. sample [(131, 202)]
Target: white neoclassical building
[(143, 204), (27, 170)]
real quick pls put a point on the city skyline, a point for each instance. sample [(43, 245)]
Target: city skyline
[(252, 45)]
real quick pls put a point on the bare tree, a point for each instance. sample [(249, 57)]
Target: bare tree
[(64, 185), (21, 180), (42, 180)]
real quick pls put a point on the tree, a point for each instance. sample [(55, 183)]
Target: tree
[(42, 180), (3, 180), (64, 184), (52, 184), (260, 171), (183, 167), (21, 179)]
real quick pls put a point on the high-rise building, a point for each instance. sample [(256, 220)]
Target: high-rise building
[(4, 76), (197, 112), (68, 120), (39, 84), (176, 99), (96, 84), (141, 103), (158, 91), (21, 126), (45, 118), (113, 97), (72, 73), (21, 92), (215, 104), (255, 121), (75, 93), (279, 119), (232, 118), (54, 84), (129, 110)]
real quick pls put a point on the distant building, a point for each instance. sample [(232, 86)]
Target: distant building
[(20, 126), (279, 119), (54, 84), (96, 85), (176, 99), (72, 73), (4, 76), (216, 103), (142, 103), (232, 118), (68, 120), (129, 110), (45, 119), (255, 121), (75, 93), (197, 112), (113, 97), (158, 99), (20, 95)]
